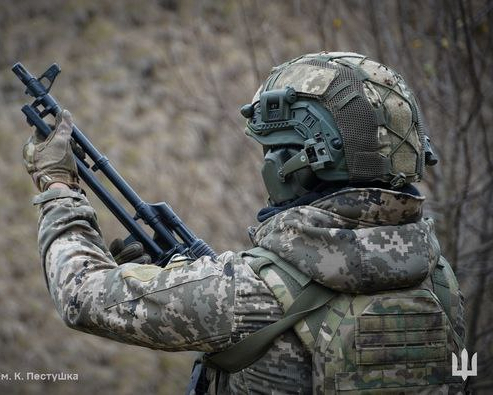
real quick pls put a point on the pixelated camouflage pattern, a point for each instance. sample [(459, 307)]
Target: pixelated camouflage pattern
[(203, 305), (207, 305), (359, 255), (398, 137), (305, 78), (388, 93), (361, 242), (286, 296), (396, 342), (392, 119)]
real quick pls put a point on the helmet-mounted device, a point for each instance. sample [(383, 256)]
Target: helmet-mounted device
[(336, 116)]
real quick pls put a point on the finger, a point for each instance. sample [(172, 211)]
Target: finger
[(116, 246), (38, 137), (63, 129), (28, 154), (143, 260), (77, 150), (64, 123), (131, 252)]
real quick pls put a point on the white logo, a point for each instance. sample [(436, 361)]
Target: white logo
[(464, 372)]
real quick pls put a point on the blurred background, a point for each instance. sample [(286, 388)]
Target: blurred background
[(156, 85)]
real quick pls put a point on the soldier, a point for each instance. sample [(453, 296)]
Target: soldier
[(345, 290)]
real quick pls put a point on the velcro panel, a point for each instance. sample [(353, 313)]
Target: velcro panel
[(401, 354), (399, 338), (396, 322), (406, 338), (305, 78), (404, 380)]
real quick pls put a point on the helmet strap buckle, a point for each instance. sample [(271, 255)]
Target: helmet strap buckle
[(398, 181)]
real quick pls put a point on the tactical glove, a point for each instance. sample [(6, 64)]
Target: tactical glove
[(52, 160), (134, 252)]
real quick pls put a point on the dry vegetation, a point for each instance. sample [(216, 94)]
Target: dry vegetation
[(157, 86)]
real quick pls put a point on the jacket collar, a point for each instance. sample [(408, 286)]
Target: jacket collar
[(373, 206)]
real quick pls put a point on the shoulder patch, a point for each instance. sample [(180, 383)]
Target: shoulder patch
[(142, 272)]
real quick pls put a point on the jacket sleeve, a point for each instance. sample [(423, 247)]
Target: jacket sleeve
[(185, 306)]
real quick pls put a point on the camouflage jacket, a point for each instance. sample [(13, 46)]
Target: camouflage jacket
[(358, 241)]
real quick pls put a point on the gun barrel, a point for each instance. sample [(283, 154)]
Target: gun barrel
[(90, 179), (21, 72), (144, 210), (160, 217)]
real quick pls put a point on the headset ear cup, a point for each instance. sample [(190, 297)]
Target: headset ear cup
[(304, 181), (294, 185), (278, 190)]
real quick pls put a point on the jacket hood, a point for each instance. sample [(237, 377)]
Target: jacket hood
[(358, 240)]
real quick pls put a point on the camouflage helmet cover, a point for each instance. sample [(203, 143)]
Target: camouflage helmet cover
[(370, 106)]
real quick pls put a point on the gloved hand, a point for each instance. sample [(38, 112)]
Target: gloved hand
[(52, 160), (134, 252)]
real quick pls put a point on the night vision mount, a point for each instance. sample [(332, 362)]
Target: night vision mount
[(282, 117)]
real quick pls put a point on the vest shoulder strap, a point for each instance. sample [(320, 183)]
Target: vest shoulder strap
[(247, 351), (270, 258), (286, 282), (311, 297)]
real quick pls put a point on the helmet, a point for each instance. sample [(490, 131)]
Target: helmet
[(336, 116)]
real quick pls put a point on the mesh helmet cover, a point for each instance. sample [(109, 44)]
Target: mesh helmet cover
[(376, 113)]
